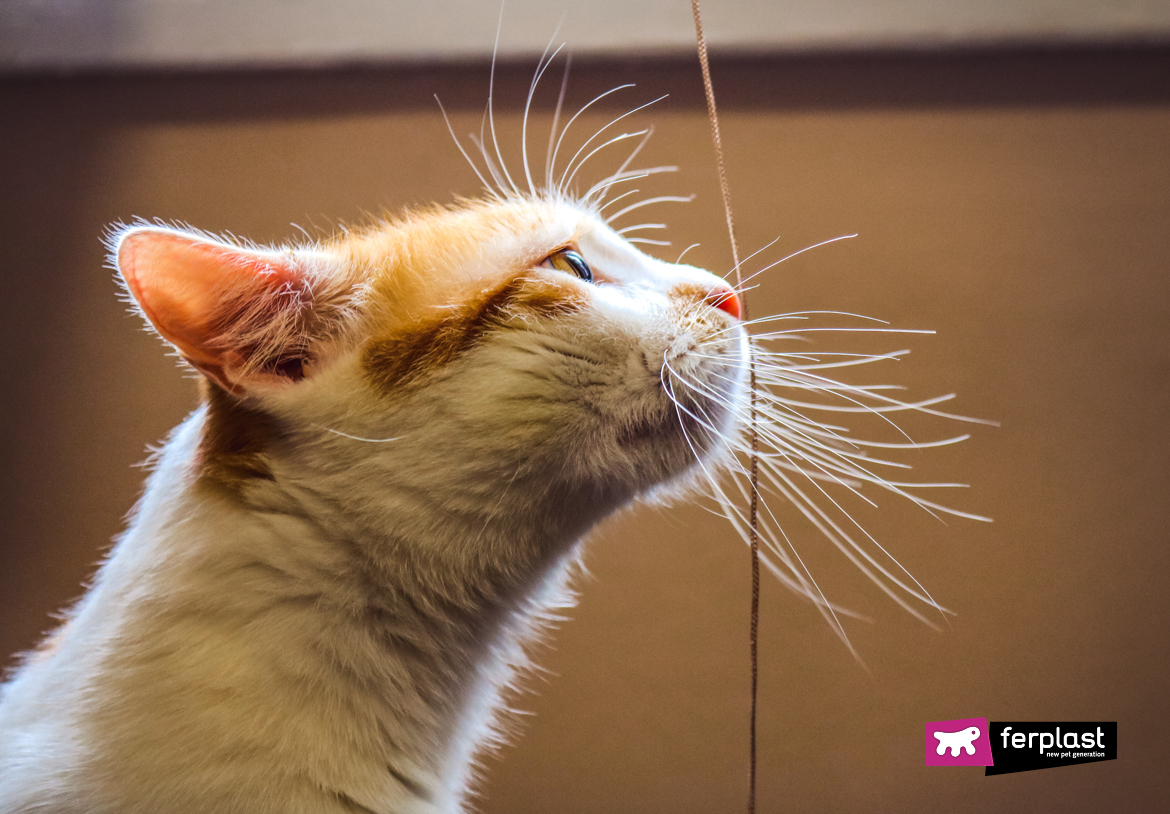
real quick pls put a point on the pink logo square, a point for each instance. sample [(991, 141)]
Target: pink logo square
[(958, 743)]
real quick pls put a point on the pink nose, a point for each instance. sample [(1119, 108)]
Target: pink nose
[(724, 299)]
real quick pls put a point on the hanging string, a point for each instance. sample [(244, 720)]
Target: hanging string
[(753, 516)]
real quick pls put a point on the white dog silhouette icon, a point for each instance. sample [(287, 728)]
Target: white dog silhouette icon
[(963, 739)]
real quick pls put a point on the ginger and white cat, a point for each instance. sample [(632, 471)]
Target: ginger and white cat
[(405, 435), (406, 432)]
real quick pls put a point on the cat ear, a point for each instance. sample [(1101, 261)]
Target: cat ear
[(242, 317)]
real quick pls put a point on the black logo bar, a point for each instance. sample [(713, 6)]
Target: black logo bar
[(1021, 746)]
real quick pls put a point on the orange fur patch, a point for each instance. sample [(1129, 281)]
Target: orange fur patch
[(396, 361), (693, 293)]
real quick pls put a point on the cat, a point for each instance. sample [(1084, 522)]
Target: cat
[(405, 434)]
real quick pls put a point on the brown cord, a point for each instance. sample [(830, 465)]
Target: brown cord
[(753, 516)]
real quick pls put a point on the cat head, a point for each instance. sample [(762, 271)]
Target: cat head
[(462, 348)]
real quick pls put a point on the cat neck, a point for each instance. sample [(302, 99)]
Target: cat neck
[(390, 626)]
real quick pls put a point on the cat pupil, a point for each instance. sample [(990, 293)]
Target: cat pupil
[(570, 261)]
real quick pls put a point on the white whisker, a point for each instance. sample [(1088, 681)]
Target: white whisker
[(552, 134), (566, 181), (797, 254), (490, 106), (740, 264), (619, 177), (492, 168), (622, 168), (458, 144), (358, 437), (640, 226), (561, 138), (541, 67), (612, 201), (647, 202)]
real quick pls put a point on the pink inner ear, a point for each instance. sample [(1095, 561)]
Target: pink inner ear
[(191, 289)]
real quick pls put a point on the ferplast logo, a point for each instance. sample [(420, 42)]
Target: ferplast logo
[(1018, 746), (962, 742)]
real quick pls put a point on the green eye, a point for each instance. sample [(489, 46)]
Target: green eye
[(569, 261)]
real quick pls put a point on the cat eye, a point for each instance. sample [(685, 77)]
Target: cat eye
[(570, 261)]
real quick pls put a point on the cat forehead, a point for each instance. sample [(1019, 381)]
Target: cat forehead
[(449, 257), (473, 237), (450, 252)]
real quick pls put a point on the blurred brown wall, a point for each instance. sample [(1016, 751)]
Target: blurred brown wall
[(1017, 202)]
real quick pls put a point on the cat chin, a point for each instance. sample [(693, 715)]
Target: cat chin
[(685, 458), (692, 484)]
